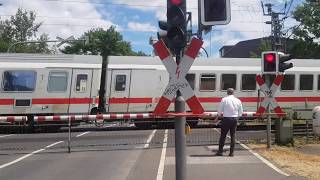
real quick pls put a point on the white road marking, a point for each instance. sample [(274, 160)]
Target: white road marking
[(6, 135), (268, 163), (28, 155), (82, 134), (149, 139), (163, 156), (264, 160), (54, 144)]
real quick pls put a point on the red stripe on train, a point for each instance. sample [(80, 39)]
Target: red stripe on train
[(150, 100)]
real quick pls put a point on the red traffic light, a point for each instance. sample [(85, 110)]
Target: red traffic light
[(176, 2), (271, 57)]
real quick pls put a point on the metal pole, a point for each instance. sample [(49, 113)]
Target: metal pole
[(307, 131), (268, 82), (269, 128), (69, 138), (180, 137)]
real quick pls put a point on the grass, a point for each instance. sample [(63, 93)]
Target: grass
[(291, 160)]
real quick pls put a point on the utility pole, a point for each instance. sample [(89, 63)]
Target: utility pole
[(276, 26), (276, 42)]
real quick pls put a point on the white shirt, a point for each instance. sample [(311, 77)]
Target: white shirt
[(230, 106)]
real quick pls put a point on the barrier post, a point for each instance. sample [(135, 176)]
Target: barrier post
[(69, 134), (269, 128), (268, 83), (307, 131), (180, 137)]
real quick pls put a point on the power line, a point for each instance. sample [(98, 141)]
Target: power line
[(124, 4)]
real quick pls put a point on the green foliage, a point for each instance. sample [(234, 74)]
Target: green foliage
[(307, 33), (104, 42), (22, 27)]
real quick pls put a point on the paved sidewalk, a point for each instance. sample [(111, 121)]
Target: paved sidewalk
[(202, 164)]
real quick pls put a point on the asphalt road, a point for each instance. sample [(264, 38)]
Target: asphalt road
[(125, 155)]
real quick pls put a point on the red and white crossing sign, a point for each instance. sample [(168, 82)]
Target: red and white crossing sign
[(269, 95), (177, 80)]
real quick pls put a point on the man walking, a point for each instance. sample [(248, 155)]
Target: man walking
[(231, 109)]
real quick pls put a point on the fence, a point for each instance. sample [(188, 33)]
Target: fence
[(96, 134)]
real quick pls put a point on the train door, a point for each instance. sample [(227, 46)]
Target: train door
[(120, 91), (80, 91)]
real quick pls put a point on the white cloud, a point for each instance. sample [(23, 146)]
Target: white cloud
[(142, 27), (59, 18)]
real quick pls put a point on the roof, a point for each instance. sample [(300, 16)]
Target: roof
[(23, 61)]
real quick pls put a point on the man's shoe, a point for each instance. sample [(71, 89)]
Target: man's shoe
[(218, 154), (231, 154)]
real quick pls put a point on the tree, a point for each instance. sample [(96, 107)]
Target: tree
[(307, 33), (22, 27), (105, 42)]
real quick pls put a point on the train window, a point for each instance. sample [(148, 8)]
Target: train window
[(228, 81), (81, 85), (306, 82), (58, 82), (288, 82), (191, 79), (120, 83), (208, 82), (16, 81), (248, 82)]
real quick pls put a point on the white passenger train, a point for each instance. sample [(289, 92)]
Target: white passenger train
[(33, 84)]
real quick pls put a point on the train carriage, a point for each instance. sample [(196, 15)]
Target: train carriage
[(33, 84)]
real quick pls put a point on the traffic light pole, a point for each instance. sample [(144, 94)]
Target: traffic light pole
[(268, 82), (180, 137)]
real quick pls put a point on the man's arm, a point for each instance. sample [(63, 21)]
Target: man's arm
[(220, 110), (240, 111)]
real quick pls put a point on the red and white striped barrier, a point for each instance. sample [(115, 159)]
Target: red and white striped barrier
[(92, 117), (12, 119), (101, 117)]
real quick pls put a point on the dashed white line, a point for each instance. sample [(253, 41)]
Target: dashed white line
[(21, 158), (82, 134), (268, 163), (149, 139), (6, 135), (163, 156), (28, 155), (54, 144)]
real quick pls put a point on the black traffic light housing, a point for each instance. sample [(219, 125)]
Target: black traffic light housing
[(162, 34), (176, 24), (215, 12), (269, 62), (274, 62), (282, 66)]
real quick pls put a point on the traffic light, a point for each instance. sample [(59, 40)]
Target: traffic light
[(282, 66), (269, 62), (176, 24), (215, 12)]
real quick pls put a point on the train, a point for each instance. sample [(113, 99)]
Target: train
[(58, 84)]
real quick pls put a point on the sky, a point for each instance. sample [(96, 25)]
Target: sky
[(137, 20)]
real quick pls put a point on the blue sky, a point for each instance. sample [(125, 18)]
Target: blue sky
[(137, 20)]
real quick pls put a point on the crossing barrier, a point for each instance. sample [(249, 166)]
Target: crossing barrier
[(102, 117)]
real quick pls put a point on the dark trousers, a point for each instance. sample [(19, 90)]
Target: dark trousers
[(228, 124)]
